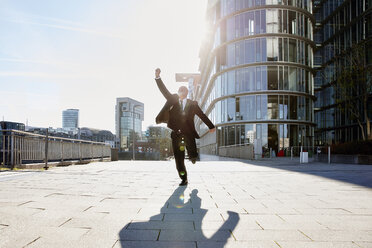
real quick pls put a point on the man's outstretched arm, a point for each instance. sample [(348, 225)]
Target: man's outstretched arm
[(161, 85), (204, 118)]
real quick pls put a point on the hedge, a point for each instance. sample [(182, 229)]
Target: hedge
[(353, 148)]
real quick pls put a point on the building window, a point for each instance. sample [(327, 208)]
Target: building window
[(272, 107), (272, 77), (273, 137)]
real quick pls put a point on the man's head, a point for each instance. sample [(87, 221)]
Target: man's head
[(182, 92)]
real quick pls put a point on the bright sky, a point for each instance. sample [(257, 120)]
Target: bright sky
[(83, 54)]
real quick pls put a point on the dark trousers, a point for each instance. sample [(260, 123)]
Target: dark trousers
[(179, 152)]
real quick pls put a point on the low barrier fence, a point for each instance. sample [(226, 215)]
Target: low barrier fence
[(314, 152), (19, 147)]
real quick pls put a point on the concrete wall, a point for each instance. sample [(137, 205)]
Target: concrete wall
[(244, 152), (208, 144), (209, 149)]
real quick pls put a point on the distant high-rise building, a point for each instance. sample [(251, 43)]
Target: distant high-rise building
[(70, 119), (125, 110)]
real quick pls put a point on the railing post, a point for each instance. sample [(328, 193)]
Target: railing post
[(62, 151), (80, 151), (16, 150), (46, 150), (8, 150), (20, 146), (12, 151), (3, 147)]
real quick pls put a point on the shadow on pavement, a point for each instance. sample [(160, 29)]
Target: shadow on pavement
[(355, 174), (349, 173), (177, 232)]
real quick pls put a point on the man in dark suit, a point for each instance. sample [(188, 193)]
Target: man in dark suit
[(179, 112)]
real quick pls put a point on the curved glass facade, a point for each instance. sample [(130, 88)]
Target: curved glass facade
[(257, 77), (228, 7), (268, 21)]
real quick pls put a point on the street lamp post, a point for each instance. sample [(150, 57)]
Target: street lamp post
[(134, 133)]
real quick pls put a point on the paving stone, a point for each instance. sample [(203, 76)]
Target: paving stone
[(289, 244), (138, 234), (334, 235), (191, 217), (364, 244), (194, 235), (269, 235), (154, 244), (163, 225), (237, 244)]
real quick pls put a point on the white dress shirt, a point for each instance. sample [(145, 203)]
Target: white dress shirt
[(183, 103)]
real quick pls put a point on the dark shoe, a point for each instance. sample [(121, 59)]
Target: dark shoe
[(184, 183), (193, 160)]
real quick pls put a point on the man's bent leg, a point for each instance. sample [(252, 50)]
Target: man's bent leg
[(191, 148), (179, 156)]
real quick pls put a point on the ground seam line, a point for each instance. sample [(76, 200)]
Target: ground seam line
[(33, 241), (277, 244), (305, 235)]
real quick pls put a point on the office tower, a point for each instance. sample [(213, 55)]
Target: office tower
[(70, 120), (257, 75), (341, 27), (127, 112)]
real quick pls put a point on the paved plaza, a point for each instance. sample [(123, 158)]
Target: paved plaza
[(138, 204)]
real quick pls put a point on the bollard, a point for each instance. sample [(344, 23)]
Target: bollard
[(329, 155), (317, 153), (291, 152), (270, 151), (301, 156)]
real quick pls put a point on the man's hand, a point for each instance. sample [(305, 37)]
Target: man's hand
[(212, 130), (157, 73)]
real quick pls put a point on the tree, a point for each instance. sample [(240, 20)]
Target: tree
[(354, 86), (163, 145)]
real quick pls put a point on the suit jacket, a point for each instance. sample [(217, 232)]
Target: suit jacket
[(177, 119)]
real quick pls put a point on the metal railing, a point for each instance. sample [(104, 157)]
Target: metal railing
[(19, 147), (316, 153)]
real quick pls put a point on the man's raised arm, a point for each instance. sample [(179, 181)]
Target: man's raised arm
[(161, 85)]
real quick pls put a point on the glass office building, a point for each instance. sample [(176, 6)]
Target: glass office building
[(70, 119), (340, 25), (126, 109), (257, 74)]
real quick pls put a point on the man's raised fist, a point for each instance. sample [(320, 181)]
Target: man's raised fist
[(157, 73)]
